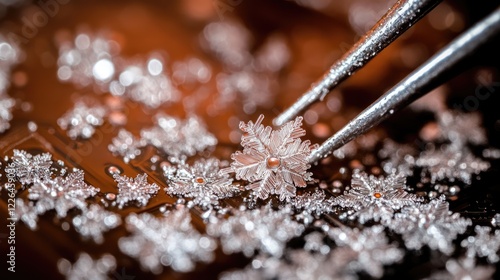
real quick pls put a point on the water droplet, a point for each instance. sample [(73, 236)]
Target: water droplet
[(110, 196), (112, 170)]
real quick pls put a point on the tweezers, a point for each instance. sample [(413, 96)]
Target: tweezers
[(429, 75)]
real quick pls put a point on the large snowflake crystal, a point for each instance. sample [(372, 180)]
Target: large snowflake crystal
[(429, 224), (87, 268), (6, 105), (94, 221), (168, 241), (81, 121), (27, 168), (202, 182), (274, 161), (134, 189), (366, 250), (485, 244), (259, 229), (62, 193), (376, 198)]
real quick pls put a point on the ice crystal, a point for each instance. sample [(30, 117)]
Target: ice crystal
[(376, 198), (484, 244), (202, 182), (62, 193), (26, 212), (6, 105), (273, 161), (397, 157), (80, 122), (311, 205), (126, 145), (94, 221), (87, 268), (464, 268), (27, 168), (461, 128), (451, 163), (134, 189), (146, 83), (167, 241), (178, 138), (429, 224), (261, 229)]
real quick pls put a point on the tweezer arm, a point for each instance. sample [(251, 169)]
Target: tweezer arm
[(395, 22), (415, 85)]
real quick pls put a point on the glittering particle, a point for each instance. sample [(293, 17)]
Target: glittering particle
[(485, 244), (310, 206), (6, 105), (376, 198), (126, 145), (202, 182), (87, 268), (495, 221), (80, 122), (367, 250), (28, 169), (62, 193), (464, 268), (451, 163), (166, 241), (94, 221), (134, 189), (430, 224), (283, 149), (9, 56), (261, 229), (178, 138)]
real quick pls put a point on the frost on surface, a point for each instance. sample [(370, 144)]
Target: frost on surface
[(376, 198), (202, 182), (28, 168), (81, 121), (261, 229), (134, 189), (430, 224), (166, 241), (273, 161)]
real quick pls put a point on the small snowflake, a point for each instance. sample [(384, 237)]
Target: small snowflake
[(202, 181), (126, 145), (464, 268), (367, 250), (429, 224), (62, 193), (451, 163), (461, 129), (87, 268), (27, 168), (167, 241), (275, 162), (94, 221), (80, 122), (311, 205), (6, 105), (376, 198), (397, 157), (178, 138), (483, 244), (138, 189), (258, 229)]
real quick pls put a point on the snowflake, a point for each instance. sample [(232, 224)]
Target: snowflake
[(27, 213), (62, 193), (87, 268), (82, 120), (484, 244), (177, 138), (138, 189), (126, 145), (367, 250), (398, 158), (275, 162), (28, 169), (376, 198), (167, 241), (464, 268), (258, 229), (94, 221), (452, 163), (461, 129), (6, 105), (311, 205), (203, 182), (146, 83), (429, 224)]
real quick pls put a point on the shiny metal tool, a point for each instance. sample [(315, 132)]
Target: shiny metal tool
[(415, 85)]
